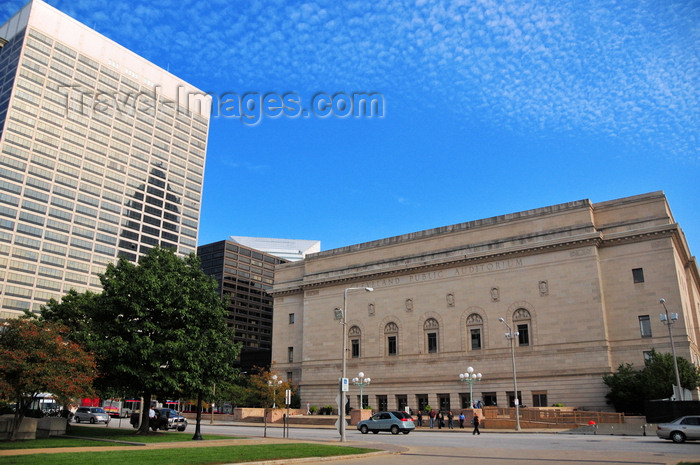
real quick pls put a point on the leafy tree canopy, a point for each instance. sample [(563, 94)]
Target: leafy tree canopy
[(36, 357), (630, 388), (157, 327)]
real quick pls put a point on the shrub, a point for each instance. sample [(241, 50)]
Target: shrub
[(558, 404), (34, 413), (313, 409), (6, 408)]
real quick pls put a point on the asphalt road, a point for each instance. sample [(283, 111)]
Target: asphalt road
[(490, 448)]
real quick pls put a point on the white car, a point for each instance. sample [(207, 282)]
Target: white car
[(680, 429), (91, 414)]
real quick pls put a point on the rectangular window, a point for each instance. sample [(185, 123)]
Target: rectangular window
[(391, 347), (355, 347), (401, 402), (432, 343), (444, 402), (645, 325), (421, 401), (382, 403), (638, 275), (524, 335), (290, 354), (291, 318), (475, 339), (489, 398), (290, 377), (363, 402), (539, 399), (511, 398)]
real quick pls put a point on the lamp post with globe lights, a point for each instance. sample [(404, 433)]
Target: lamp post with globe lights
[(361, 381), (273, 384), (510, 335), (471, 378)]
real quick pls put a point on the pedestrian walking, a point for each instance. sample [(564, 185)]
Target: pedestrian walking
[(450, 420), (461, 420), (432, 415), (475, 422), (420, 418)]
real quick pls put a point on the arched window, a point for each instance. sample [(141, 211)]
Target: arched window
[(523, 323), (431, 330), (391, 333), (475, 330), (354, 334)]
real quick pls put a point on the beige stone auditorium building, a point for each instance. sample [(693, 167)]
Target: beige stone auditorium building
[(580, 282)]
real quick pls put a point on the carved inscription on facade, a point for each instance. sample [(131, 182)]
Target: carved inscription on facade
[(499, 265)]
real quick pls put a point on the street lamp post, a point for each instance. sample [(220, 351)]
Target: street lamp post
[(668, 320), (342, 315), (362, 382), (471, 378), (273, 384), (510, 335)]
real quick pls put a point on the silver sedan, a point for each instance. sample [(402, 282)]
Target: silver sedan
[(680, 429)]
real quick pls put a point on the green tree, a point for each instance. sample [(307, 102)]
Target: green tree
[(263, 391), (36, 357), (659, 375), (626, 389), (157, 328), (630, 388)]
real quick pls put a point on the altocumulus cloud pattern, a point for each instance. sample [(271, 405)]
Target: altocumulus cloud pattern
[(624, 69)]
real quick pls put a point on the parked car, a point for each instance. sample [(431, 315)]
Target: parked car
[(387, 421), (680, 429), (91, 414), (167, 418)]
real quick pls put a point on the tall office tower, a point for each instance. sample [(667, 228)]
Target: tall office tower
[(101, 157), (244, 275)]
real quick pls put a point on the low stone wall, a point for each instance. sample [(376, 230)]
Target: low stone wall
[(357, 415), (33, 428), (51, 426), (27, 429)]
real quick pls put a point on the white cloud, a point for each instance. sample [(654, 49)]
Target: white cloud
[(533, 66)]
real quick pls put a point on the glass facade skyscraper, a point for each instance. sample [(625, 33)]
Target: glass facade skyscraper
[(101, 156), (245, 275)]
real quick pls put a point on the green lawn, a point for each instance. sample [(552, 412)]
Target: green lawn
[(103, 433), (177, 456), (187, 456)]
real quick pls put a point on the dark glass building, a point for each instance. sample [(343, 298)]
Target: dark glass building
[(244, 276)]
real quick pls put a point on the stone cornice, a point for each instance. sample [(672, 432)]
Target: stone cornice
[(639, 235), (460, 227), (460, 257), (422, 263)]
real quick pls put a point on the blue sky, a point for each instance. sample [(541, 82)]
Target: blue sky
[(490, 107)]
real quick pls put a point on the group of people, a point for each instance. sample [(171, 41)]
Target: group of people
[(438, 419)]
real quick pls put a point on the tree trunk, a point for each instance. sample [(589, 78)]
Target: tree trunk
[(197, 431), (144, 414), (20, 412)]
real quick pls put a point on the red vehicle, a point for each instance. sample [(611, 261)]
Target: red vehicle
[(114, 407)]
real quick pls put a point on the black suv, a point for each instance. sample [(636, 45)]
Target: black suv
[(169, 417), (165, 419)]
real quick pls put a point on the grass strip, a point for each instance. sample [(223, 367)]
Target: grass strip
[(103, 433), (188, 455)]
